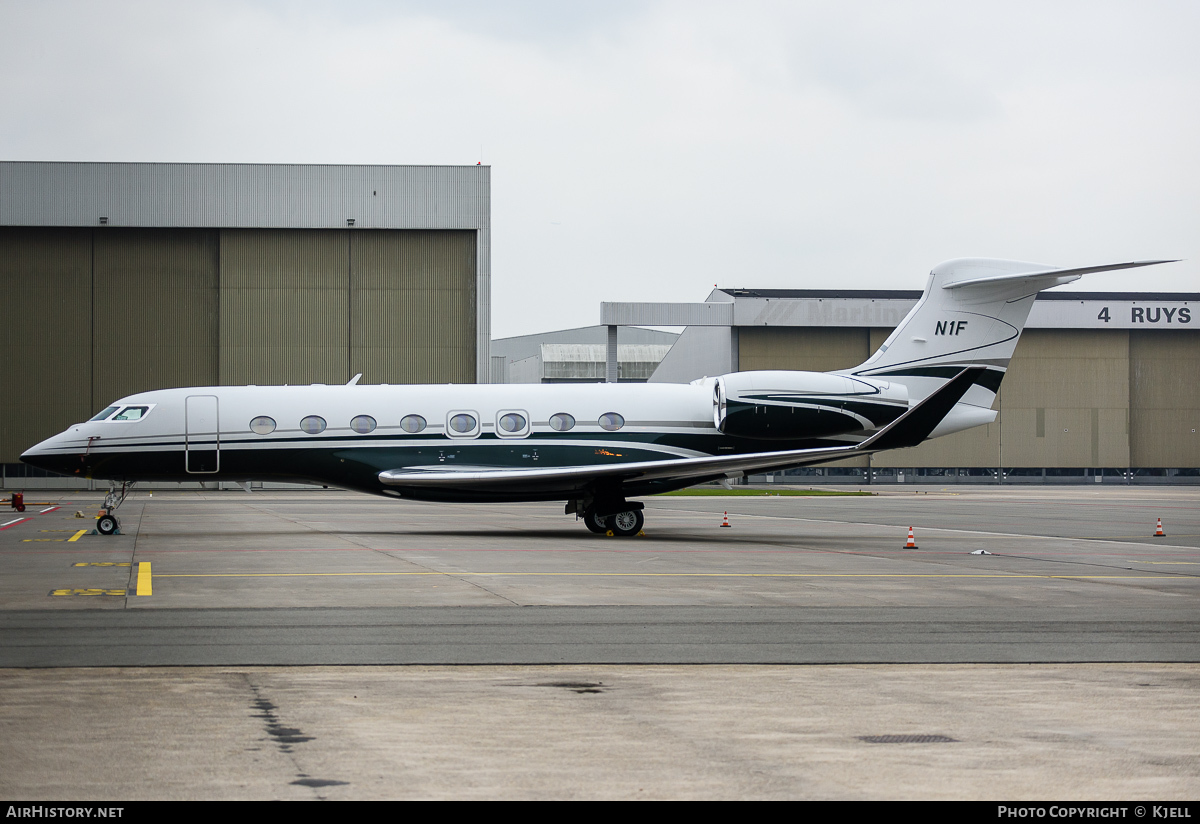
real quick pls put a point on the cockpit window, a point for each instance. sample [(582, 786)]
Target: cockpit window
[(131, 413), (99, 416)]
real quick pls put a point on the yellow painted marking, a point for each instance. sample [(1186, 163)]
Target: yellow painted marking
[(144, 582), (101, 563), (76, 536), (40, 540), (87, 592), (648, 575)]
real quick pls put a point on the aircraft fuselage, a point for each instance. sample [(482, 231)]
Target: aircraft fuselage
[(346, 435)]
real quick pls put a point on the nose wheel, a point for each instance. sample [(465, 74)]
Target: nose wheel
[(107, 524)]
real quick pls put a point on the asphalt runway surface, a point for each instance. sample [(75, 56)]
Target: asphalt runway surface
[(347, 618), (330, 578)]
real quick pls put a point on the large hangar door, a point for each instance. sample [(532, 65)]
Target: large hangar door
[(202, 437)]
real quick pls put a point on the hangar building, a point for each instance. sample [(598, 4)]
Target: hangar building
[(578, 356), (123, 277)]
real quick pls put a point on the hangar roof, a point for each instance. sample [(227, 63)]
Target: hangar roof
[(244, 195), (886, 308), (915, 294)]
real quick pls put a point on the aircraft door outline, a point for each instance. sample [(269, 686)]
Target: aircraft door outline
[(202, 435)]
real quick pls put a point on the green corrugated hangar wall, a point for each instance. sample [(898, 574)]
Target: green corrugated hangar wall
[(1071, 398), (91, 315)]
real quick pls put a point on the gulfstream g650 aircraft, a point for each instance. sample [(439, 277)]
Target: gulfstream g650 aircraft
[(593, 446)]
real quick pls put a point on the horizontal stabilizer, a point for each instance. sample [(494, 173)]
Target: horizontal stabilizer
[(1067, 274)]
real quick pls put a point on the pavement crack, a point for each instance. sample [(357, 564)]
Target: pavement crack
[(286, 738)]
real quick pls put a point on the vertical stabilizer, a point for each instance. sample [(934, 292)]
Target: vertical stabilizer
[(971, 314)]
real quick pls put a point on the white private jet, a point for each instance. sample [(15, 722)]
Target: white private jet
[(594, 446)]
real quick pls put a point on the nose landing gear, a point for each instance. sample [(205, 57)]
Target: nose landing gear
[(107, 523)]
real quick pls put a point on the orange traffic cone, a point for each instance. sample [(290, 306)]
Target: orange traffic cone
[(725, 521), (912, 543), (1158, 533)]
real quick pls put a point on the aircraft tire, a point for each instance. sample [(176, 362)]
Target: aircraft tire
[(627, 524), (595, 523), (106, 525)]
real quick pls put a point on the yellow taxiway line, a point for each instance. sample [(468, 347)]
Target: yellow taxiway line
[(144, 580), (1158, 577)]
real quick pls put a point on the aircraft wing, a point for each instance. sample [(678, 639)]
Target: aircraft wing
[(910, 429)]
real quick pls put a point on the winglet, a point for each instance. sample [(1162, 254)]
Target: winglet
[(915, 425)]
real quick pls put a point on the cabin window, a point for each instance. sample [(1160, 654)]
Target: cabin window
[(263, 425), (99, 416), (313, 424), (611, 421), (412, 424), (131, 413), (463, 424), (512, 424), (362, 424), (562, 422)]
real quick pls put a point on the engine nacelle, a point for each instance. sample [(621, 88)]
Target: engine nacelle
[(797, 405)]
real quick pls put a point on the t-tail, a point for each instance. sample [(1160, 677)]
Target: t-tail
[(971, 314)]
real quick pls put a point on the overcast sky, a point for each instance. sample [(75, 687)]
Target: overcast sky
[(649, 150)]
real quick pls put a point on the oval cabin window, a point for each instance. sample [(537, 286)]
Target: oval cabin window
[(313, 424), (262, 425), (412, 424), (562, 422), (512, 422), (611, 421), (362, 424), (463, 423)]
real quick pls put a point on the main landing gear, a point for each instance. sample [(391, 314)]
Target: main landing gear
[(623, 519)]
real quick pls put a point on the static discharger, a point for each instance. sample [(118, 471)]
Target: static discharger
[(1158, 533), (912, 542), (725, 520)]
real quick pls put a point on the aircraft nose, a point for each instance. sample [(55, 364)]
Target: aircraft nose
[(49, 455)]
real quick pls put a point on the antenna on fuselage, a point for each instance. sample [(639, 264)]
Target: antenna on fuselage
[(354, 381)]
